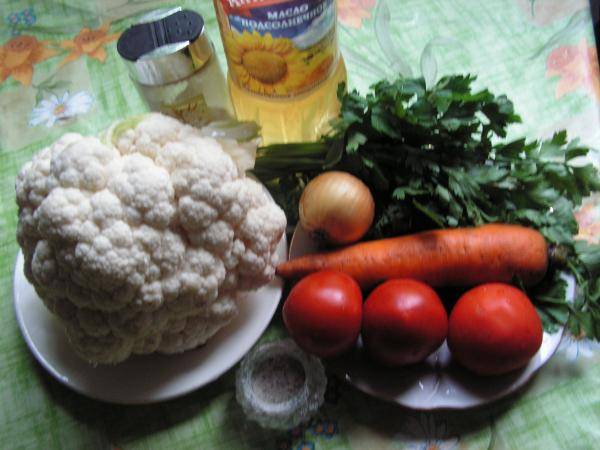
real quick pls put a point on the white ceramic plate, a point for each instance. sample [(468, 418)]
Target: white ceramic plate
[(149, 378), (438, 382)]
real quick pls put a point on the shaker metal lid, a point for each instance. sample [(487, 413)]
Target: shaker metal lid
[(166, 45)]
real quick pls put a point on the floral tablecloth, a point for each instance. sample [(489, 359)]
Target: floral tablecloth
[(59, 72)]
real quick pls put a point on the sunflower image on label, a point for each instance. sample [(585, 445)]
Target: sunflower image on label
[(278, 48)]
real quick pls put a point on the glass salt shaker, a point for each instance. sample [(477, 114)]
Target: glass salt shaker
[(174, 67), (279, 386)]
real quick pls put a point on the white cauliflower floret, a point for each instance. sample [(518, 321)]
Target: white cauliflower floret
[(146, 245)]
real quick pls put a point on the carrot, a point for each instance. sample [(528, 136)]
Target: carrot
[(450, 257)]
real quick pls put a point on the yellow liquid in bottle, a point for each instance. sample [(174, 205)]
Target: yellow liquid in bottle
[(302, 118), (284, 65)]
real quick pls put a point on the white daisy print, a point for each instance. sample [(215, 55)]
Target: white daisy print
[(574, 347), (59, 109)]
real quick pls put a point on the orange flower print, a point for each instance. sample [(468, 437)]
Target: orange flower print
[(18, 56), (352, 12), (88, 42), (577, 68), (588, 218)]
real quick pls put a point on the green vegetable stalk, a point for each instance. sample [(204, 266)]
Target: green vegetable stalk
[(436, 158)]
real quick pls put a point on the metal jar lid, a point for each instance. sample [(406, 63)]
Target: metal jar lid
[(165, 46)]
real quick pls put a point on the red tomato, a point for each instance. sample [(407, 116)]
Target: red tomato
[(323, 313), (404, 321), (494, 329)]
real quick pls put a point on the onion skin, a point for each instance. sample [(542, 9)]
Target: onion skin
[(336, 207)]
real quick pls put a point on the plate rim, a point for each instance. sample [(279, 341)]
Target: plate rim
[(41, 358), (512, 390)]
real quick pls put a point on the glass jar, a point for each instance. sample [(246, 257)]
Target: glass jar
[(279, 386), (174, 67)]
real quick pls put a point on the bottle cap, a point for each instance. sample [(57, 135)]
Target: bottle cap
[(165, 46)]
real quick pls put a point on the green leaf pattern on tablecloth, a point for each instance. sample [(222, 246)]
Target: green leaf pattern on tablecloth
[(69, 78), (578, 21)]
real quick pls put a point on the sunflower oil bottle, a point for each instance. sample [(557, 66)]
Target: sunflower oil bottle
[(284, 65)]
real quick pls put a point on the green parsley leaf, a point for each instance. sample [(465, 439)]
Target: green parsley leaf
[(433, 157)]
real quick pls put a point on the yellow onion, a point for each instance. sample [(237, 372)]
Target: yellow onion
[(336, 207)]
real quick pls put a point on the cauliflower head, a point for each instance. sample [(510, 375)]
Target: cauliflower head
[(145, 245)]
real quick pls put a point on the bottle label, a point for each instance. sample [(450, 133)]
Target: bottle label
[(278, 48)]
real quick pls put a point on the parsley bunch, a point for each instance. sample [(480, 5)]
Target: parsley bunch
[(435, 158)]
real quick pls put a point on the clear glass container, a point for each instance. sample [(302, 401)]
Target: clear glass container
[(198, 99), (280, 386), (174, 66)]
